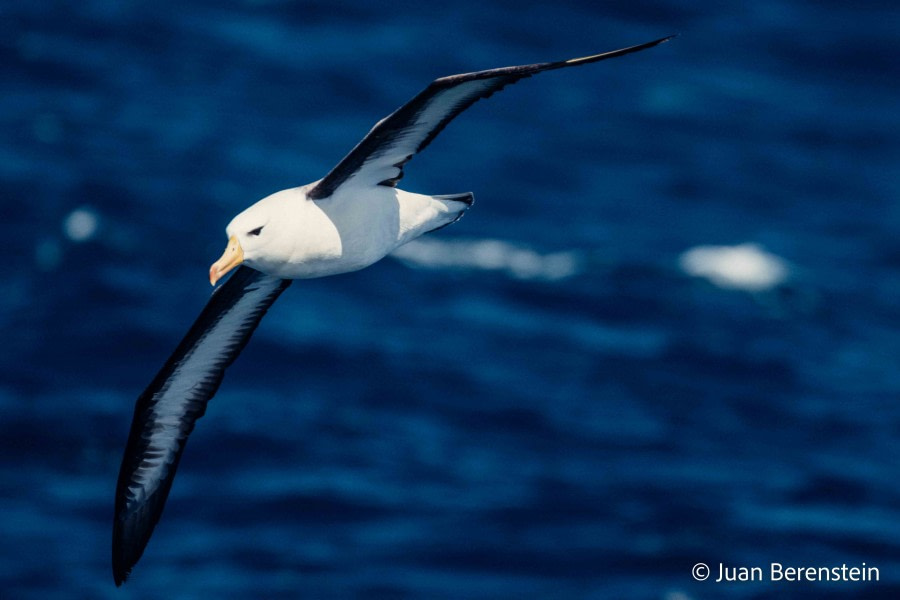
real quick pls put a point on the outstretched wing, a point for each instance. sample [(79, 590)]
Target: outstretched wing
[(165, 413), (379, 158)]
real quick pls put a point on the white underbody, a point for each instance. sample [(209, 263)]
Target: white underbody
[(350, 230)]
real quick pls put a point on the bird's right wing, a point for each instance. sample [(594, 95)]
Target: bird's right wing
[(165, 413)]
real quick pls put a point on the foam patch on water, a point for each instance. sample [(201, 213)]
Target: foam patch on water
[(80, 225), (489, 255), (745, 267)]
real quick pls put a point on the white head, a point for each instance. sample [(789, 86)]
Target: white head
[(252, 238)]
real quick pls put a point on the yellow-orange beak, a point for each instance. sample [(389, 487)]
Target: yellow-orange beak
[(233, 256)]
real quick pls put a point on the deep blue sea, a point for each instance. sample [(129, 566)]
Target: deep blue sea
[(667, 333)]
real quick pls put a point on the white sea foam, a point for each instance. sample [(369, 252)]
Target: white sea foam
[(80, 225), (745, 267), (488, 255)]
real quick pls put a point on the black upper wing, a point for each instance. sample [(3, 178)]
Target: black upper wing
[(379, 158), (165, 413)]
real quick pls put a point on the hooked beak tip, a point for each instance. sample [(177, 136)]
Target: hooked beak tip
[(231, 258)]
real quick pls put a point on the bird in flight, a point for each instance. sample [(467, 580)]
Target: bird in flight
[(346, 221)]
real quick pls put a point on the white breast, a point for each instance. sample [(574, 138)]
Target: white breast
[(343, 233)]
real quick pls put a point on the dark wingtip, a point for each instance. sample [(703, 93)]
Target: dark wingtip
[(646, 45), (603, 55), (661, 40), (120, 572), (121, 565)]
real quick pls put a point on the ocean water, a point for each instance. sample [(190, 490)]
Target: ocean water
[(666, 334)]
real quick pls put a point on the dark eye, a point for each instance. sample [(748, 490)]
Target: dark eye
[(256, 231)]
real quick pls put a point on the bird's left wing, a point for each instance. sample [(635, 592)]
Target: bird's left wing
[(379, 158), (165, 413)]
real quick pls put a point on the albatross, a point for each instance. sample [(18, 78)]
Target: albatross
[(349, 219)]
